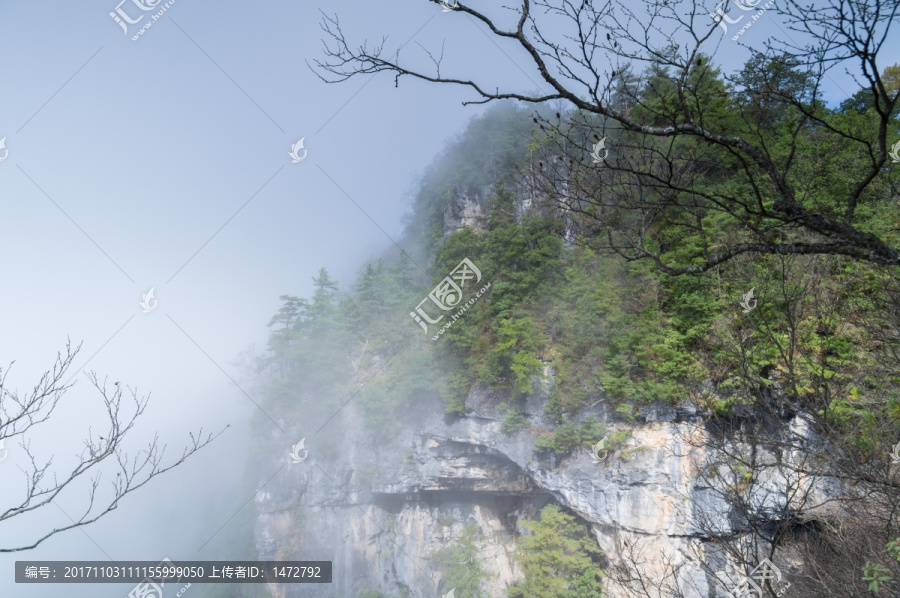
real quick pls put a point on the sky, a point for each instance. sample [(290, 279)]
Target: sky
[(163, 163)]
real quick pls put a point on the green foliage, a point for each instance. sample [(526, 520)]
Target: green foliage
[(893, 548), (615, 331), (499, 342), (558, 558), (626, 332), (513, 421), (875, 574), (627, 411), (618, 440), (461, 564), (321, 348), (571, 435), (388, 393), (513, 358), (490, 147), (454, 391)]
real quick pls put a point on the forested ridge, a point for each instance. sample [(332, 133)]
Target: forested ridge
[(570, 310)]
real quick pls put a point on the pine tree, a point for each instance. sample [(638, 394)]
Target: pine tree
[(461, 566), (558, 559)]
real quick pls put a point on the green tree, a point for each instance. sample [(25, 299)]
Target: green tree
[(571, 435), (689, 120), (461, 564), (558, 559)]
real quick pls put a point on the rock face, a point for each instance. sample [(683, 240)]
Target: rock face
[(466, 209), (380, 511)]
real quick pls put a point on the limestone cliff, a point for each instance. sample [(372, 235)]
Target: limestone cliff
[(380, 508)]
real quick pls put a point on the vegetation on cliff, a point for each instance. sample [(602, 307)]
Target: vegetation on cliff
[(760, 333)]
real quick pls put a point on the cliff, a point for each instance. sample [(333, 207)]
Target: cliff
[(380, 508)]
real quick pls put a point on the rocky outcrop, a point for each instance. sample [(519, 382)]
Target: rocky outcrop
[(381, 509), (466, 209)]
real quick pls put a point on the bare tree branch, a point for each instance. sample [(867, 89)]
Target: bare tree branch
[(20, 414)]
